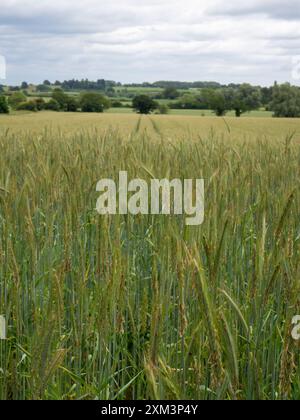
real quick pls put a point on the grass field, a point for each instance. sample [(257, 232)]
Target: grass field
[(124, 307)]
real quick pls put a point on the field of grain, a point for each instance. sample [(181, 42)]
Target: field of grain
[(173, 127), (145, 307)]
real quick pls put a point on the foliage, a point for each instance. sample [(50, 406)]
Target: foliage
[(170, 93), (187, 101), (218, 103), (144, 104), (86, 84), (16, 99), (52, 105), (286, 101), (27, 106), (71, 104), (4, 108), (241, 98), (40, 104), (94, 102), (43, 88), (266, 95), (117, 104), (244, 99), (163, 109), (61, 98), (66, 103)]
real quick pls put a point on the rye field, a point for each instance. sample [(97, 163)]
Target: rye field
[(145, 307)]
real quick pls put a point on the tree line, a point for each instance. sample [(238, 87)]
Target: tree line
[(59, 101), (282, 99)]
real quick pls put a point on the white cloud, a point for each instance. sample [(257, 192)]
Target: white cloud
[(131, 40)]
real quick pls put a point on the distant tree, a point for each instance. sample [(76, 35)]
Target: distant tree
[(27, 106), (266, 96), (243, 99), (24, 85), (143, 104), (57, 83), (93, 102), (40, 104), (71, 104), (14, 88), (205, 98), (4, 109), (66, 103), (110, 92), (52, 105), (183, 85), (286, 101), (47, 83), (60, 97), (170, 93), (187, 101), (43, 88), (218, 103), (16, 99), (117, 104), (87, 85), (163, 109)]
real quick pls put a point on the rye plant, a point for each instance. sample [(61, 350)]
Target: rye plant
[(145, 307)]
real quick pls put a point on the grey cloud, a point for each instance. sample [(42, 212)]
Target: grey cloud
[(138, 40), (276, 9)]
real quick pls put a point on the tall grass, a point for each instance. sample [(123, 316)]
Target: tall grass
[(126, 307)]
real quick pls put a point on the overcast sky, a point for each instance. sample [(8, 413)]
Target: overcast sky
[(147, 40)]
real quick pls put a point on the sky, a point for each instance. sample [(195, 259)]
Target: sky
[(256, 41)]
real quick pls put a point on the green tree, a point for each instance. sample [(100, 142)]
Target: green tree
[(52, 105), (163, 109), (286, 101), (218, 103), (71, 105), (43, 88), (16, 99), (170, 93), (4, 109), (245, 98), (66, 103), (266, 96), (40, 104), (27, 106), (61, 98), (117, 104), (188, 101), (93, 102), (143, 104)]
